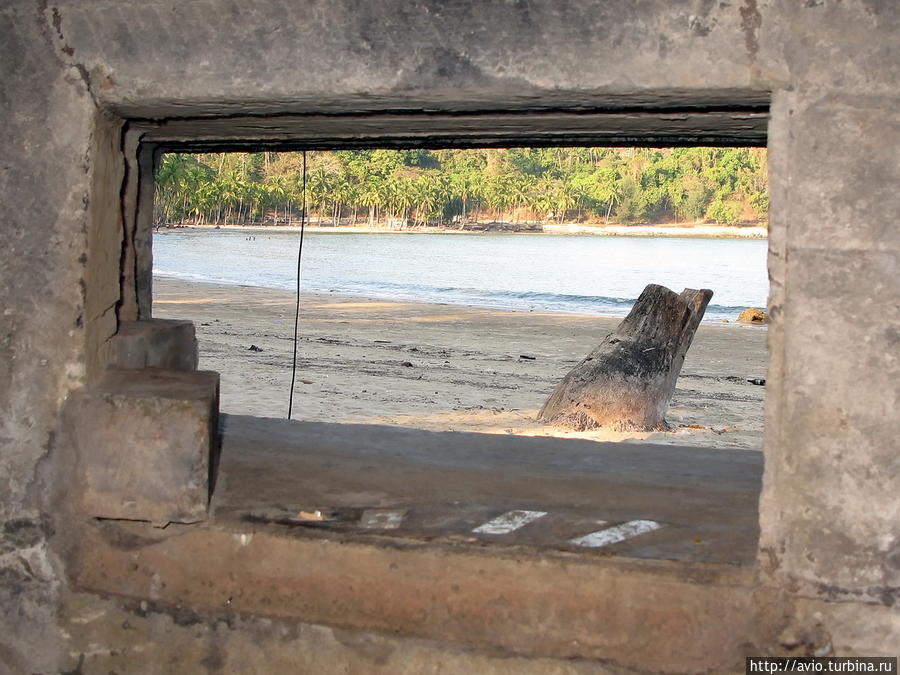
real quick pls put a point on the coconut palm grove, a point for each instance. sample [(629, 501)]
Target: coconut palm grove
[(452, 188)]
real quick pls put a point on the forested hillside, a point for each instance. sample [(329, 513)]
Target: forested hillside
[(401, 188)]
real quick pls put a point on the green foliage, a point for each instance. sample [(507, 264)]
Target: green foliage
[(631, 185), (721, 211)]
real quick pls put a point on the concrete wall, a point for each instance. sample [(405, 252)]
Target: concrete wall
[(73, 70), (45, 180)]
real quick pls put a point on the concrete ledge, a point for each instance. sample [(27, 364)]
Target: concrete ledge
[(649, 615), (683, 598), (153, 343), (144, 443), (227, 642)]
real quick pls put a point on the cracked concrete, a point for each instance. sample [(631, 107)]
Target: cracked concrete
[(75, 72)]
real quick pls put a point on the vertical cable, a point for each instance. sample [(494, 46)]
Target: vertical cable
[(297, 309)]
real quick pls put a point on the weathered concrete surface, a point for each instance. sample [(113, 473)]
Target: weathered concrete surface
[(153, 343), (647, 615), (448, 483), (581, 125), (127, 637), (829, 507), (104, 243), (829, 511), (45, 172), (391, 54), (688, 586), (676, 600), (845, 628), (144, 442)]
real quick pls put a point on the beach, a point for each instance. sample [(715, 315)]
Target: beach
[(698, 230), (445, 367), (562, 274)]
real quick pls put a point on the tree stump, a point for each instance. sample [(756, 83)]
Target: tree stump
[(626, 383)]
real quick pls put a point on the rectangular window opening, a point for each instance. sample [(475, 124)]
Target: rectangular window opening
[(445, 294)]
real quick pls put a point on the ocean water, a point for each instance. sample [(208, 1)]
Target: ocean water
[(581, 274)]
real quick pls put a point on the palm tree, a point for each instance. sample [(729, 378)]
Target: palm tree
[(371, 196), (276, 192)]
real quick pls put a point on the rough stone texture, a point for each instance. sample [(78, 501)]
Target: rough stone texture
[(144, 442), (155, 343), (829, 508)]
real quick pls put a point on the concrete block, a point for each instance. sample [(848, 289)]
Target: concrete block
[(829, 512), (154, 343), (145, 444), (842, 190)]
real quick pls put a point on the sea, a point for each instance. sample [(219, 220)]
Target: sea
[(580, 274)]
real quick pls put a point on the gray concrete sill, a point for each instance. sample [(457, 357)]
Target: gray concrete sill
[(685, 590)]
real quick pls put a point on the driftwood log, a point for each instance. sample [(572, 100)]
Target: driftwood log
[(626, 383)]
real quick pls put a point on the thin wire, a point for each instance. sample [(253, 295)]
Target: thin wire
[(297, 309)]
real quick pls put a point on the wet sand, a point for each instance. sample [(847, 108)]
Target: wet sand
[(445, 367)]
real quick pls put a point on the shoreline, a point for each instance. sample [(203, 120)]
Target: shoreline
[(699, 231), (355, 297), (445, 367)]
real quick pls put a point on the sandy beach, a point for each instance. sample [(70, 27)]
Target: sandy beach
[(444, 367), (698, 230)]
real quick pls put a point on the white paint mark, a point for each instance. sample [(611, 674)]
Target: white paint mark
[(245, 539), (382, 519), (509, 521), (613, 535)]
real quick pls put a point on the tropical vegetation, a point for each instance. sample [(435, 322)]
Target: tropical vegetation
[(410, 188)]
